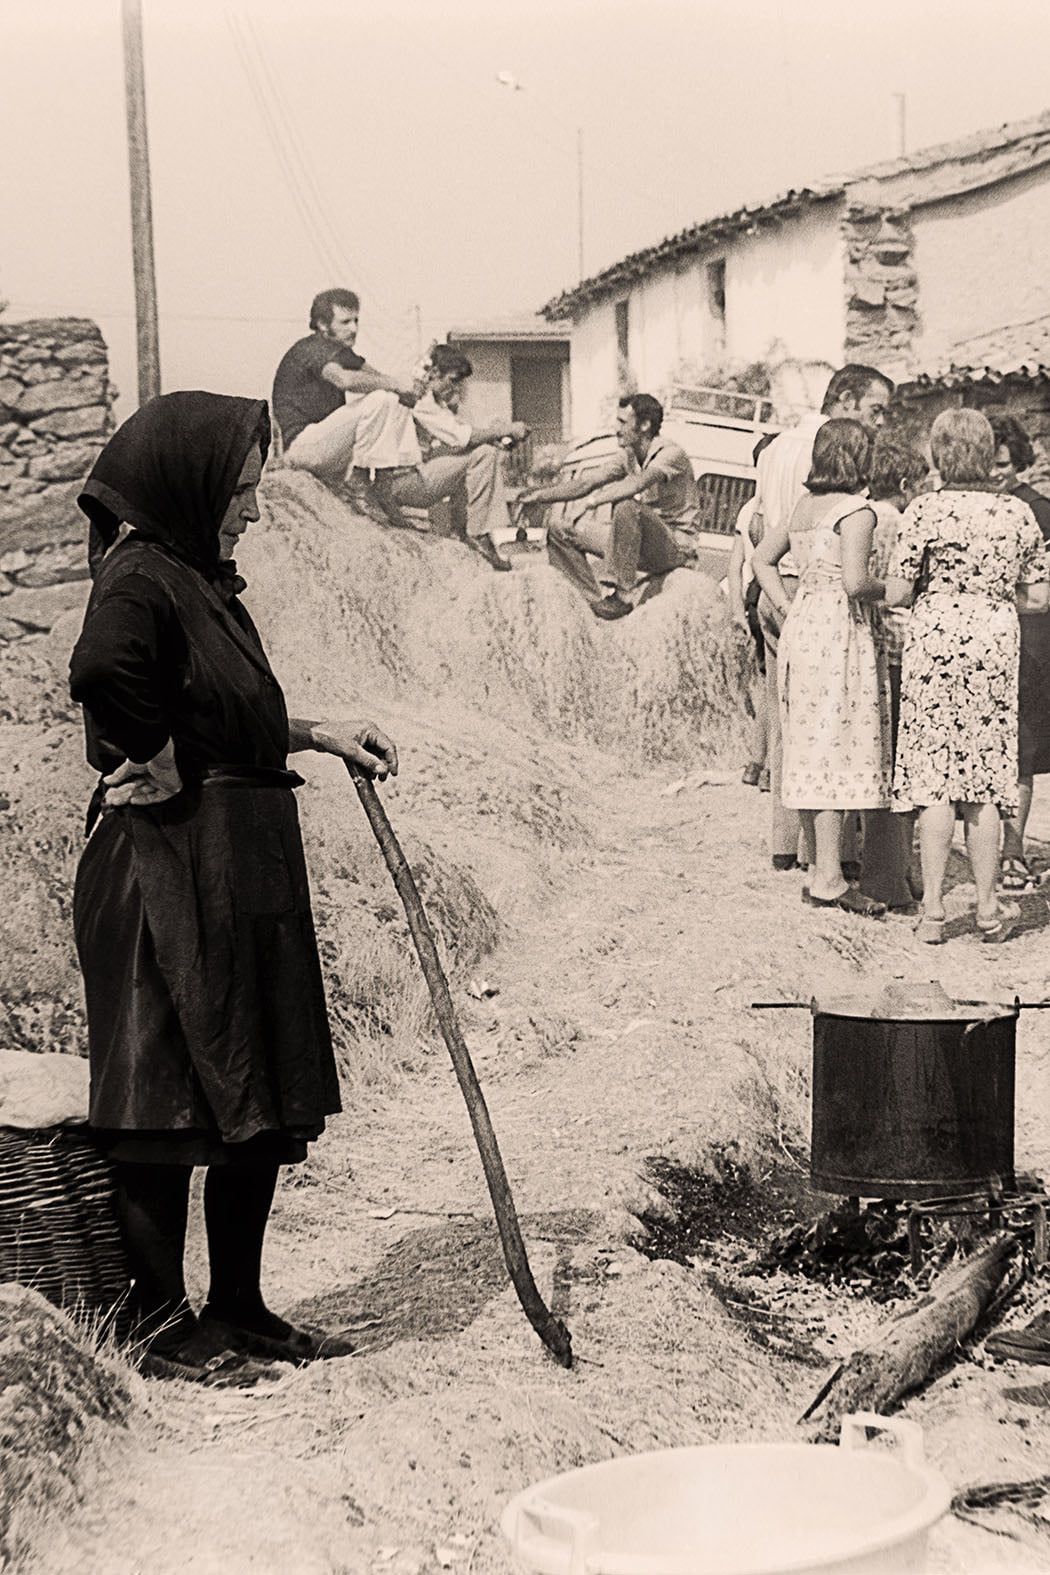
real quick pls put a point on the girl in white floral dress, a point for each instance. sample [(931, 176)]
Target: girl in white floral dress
[(833, 688), (972, 558)]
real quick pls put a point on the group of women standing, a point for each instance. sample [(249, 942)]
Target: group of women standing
[(904, 712)]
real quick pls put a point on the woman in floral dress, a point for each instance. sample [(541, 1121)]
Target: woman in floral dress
[(971, 558), (833, 692), (1014, 453)]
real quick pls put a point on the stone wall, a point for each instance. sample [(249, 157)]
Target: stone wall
[(1028, 399), (882, 287), (56, 411)]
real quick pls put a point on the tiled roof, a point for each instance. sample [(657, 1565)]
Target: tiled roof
[(1014, 350), (965, 150), (525, 326)]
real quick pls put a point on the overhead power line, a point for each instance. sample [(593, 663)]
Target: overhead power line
[(301, 182), (300, 158), (316, 240)]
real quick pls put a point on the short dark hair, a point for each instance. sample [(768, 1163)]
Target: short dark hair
[(647, 410), (892, 463), (323, 306), (841, 457), (855, 381), (446, 359), (1011, 435)]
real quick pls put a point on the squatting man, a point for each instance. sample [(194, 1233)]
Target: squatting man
[(654, 499)]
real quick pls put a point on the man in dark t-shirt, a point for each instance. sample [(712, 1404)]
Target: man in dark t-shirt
[(301, 395), (340, 418)]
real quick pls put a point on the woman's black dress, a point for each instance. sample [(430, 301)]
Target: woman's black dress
[(208, 1032), (1033, 744)]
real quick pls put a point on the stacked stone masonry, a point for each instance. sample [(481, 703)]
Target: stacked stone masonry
[(56, 412), (882, 287)]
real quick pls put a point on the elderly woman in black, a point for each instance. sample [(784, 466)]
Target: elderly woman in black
[(208, 1032)]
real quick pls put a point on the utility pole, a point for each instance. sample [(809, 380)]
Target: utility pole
[(579, 200), (147, 335), (900, 124), (509, 81)]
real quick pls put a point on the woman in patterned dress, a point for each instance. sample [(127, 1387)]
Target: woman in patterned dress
[(971, 558), (1014, 453), (834, 699)]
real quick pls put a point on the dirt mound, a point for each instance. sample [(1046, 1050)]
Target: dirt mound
[(503, 694), (55, 1393), (402, 615)]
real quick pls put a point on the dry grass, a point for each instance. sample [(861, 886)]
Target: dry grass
[(383, 613), (57, 1389), (509, 699)]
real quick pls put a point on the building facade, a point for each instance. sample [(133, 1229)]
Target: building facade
[(521, 373), (909, 265)]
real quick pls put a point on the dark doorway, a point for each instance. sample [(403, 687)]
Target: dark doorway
[(535, 396)]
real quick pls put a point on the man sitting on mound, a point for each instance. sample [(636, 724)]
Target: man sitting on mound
[(462, 462), (654, 510), (340, 418)]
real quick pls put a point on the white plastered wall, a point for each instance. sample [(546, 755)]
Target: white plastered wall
[(980, 262), (785, 292)]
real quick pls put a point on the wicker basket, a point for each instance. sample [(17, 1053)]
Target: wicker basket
[(59, 1231)]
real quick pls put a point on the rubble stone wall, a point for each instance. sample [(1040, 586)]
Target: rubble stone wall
[(882, 287), (56, 412)]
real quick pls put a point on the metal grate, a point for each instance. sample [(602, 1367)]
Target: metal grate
[(721, 499)]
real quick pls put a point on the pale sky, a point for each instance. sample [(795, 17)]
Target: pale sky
[(369, 143)]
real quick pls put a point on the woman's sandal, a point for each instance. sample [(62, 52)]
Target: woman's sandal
[(851, 901), (994, 931), (931, 931), (225, 1370), (1018, 876), (298, 1345)]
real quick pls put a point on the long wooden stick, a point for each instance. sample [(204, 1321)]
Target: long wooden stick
[(551, 1330), (147, 333)]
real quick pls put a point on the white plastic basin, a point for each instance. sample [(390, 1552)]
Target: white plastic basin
[(738, 1509)]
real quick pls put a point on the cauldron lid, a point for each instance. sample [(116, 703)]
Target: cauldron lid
[(909, 1001)]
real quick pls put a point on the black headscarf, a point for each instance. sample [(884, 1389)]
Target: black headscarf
[(170, 471)]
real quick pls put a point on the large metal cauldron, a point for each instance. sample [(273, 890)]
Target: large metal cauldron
[(912, 1098)]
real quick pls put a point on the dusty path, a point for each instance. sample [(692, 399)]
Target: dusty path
[(620, 1029)]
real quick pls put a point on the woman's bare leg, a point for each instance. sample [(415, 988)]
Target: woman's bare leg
[(827, 880), (936, 825), (1014, 828), (982, 847)]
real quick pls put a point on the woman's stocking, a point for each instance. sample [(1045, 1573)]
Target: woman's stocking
[(237, 1201), (153, 1201)]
